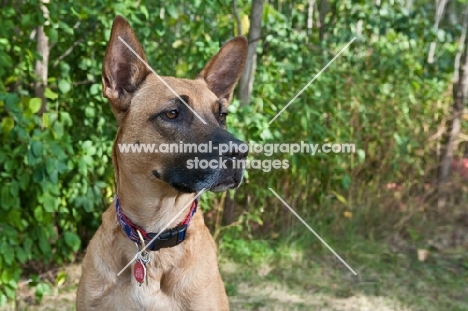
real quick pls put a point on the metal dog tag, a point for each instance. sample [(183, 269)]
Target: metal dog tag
[(139, 271)]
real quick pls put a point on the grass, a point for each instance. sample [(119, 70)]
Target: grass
[(386, 261), (296, 272)]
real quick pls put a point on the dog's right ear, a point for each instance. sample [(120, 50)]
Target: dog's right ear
[(123, 71), (224, 69)]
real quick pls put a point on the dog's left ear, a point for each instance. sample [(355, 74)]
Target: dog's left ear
[(225, 68)]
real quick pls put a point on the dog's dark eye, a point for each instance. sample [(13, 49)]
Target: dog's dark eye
[(222, 116), (171, 114)]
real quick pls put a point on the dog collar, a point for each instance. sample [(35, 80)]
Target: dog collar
[(168, 238)]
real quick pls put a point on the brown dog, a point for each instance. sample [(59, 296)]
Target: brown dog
[(152, 188)]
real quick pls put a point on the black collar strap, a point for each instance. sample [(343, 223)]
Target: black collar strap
[(168, 238)]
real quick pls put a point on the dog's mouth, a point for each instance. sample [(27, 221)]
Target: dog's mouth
[(219, 187), (185, 188), (228, 183), (231, 182), (196, 180)]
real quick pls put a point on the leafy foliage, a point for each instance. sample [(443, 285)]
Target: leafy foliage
[(381, 94)]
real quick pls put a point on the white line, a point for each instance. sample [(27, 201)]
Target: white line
[(162, 230), (162, 80), (312, 230), (310, 82)]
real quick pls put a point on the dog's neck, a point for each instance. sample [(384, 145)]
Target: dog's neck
[(152, 204)]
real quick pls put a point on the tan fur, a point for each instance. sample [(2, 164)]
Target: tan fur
[(184, 277)]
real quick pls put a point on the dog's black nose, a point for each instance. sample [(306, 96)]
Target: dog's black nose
[(228, 146), (235, 149)]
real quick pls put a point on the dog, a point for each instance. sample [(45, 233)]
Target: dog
[(179, 270)]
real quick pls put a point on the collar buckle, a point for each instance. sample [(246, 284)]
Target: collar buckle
[(169, 238)]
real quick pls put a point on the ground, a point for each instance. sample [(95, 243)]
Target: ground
[(422, 266), (256, 295)]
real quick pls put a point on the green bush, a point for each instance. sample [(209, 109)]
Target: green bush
[(56, 173)]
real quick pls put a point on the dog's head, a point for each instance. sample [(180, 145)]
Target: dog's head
[(170, 112)]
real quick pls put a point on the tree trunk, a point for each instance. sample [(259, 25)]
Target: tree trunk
[(322, 13), (41, 67), (310, 17), (229, 211), (236, 16), (438, 17), (246, 80), (255, 31), (460, 92)]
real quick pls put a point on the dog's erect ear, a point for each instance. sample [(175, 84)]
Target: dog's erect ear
[(225, 68), (122, 72)]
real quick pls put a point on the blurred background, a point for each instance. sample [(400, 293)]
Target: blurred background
[(396, 210)]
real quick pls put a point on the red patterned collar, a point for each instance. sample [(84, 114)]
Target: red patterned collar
[(168, 238)]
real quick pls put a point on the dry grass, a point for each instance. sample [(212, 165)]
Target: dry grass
[(261, 296)]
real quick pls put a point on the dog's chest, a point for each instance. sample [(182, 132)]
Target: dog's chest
[(147, 297), (155, 293)]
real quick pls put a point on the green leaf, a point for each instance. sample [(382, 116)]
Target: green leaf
[(6, 199), (6, 276), (61, 278), (21, 255), (49, 202), (41, 290), (346, 182), (53, 35), (72, 240), (57, 129), (144, 10), (39, 213), (340, 197), (176, 44), (11, 102), (38, 175), (8, 255), (7, 125), (362, 155), (50, 94), (10, 291), (64, 86), (23, 181), (172, 10), (94, 89), (46, 120), (3, 299), (8, 165), (50, 166), (37, 148), (14, 188), (44, 246), (35, 104)]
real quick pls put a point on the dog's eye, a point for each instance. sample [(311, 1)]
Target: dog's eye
[(171, 114), (222, 116)]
